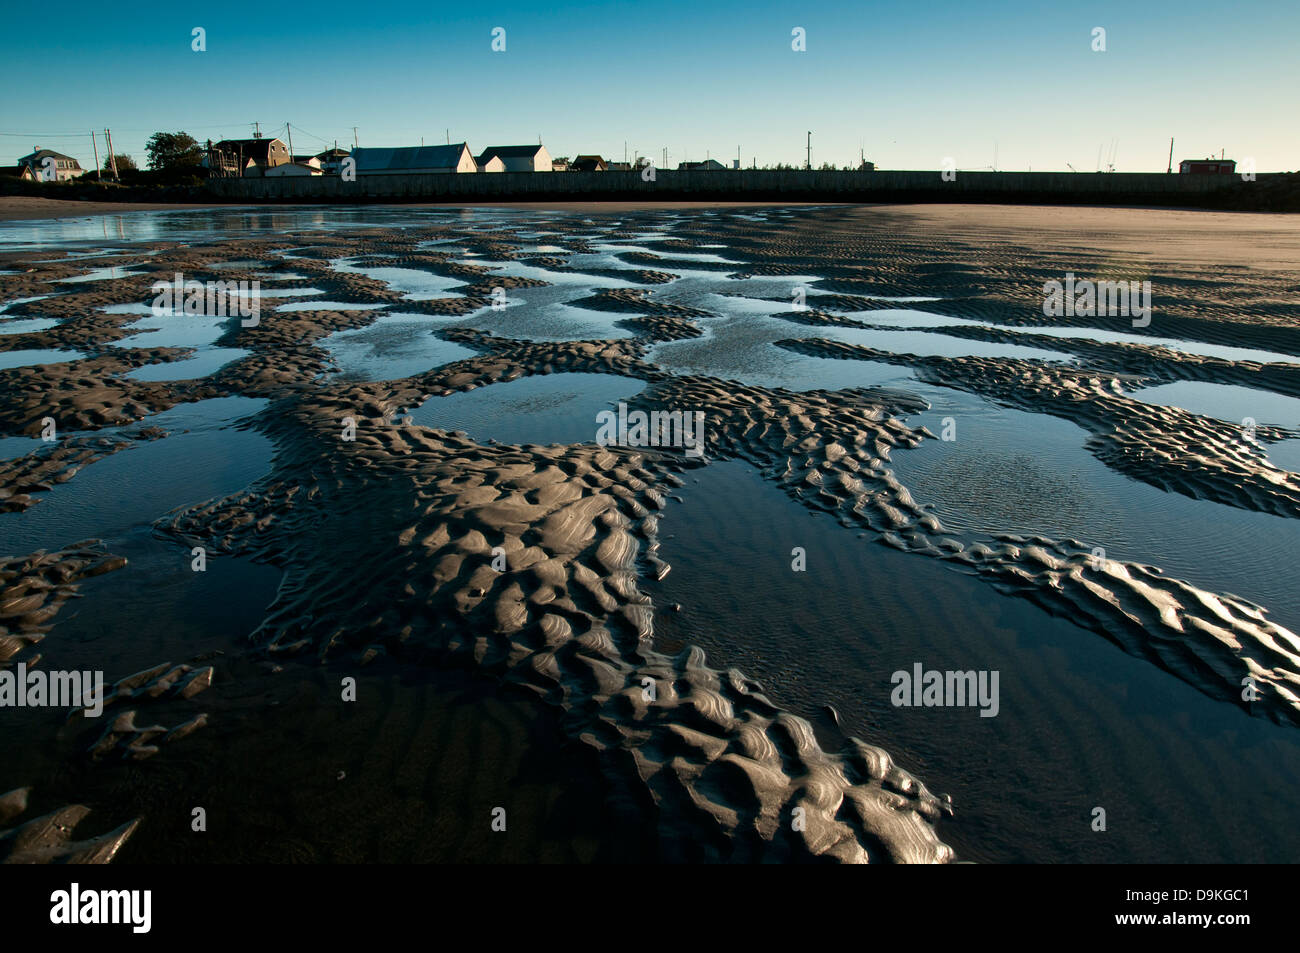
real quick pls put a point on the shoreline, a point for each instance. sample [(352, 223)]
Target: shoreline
[(21, 208)]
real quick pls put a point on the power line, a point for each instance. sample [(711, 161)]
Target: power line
[(45, 135), (312, 135), (81, 135)]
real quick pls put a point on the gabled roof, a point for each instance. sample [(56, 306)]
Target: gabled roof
[(257, 149), (409, 157), (41, 154), (510, 152)]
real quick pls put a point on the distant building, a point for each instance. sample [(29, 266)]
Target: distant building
[(618, 166), (309, 165), (63, 167), (407, 160), (332, 160), (18, 172), (494, 164), (519, 158), (1208, 166), (708, 165), (867, 166), (589, 164), (560, 165), (247, 157)]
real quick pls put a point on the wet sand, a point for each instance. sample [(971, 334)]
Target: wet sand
[(412, 552)]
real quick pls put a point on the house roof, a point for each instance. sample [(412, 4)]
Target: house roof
[(510, 152), (41, 154), (333, 154), (255, 149), (409, 157)]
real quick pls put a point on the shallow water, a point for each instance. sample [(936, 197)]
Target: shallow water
[(545, 409), (204, 457), (1229, 402), (172, 330), (394, 346), (34, 357), (24, 325), (1080, 723), (1012, 471), (204, 364), (418, 285)]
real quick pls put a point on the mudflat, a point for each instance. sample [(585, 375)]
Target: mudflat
[(404, 532)]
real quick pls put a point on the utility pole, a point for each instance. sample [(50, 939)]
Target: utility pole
[(112, 161), (447, 131), (809, 162), (354, 137), (289, 129), (96, 148), (257, 130), (1171, 156)]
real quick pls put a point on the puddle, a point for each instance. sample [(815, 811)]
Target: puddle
[(26, 325), (394, 346), (329, 306), (9, 304), (136, 486), (1189, 347), (35, 356), (418, 285), (1229, 402), (546, 409), (1013, 471), (172, 330), (1079, 722), (11, 447), (937, 344), (99, 274), (204, 364)]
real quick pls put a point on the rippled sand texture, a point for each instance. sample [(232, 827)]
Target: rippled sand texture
[(387, 541)]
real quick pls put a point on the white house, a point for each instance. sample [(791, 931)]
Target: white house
[(494, 164), (407, 160), (60, 166), (519, 158), (306, 167)]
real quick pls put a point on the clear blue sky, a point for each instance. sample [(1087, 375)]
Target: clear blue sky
[(910, 82)]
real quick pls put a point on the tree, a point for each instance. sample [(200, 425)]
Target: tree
[(124, 163), (172, 150)]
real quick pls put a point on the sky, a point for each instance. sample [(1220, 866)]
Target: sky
[(1009, 85)]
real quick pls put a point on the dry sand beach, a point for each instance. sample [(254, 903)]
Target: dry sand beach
[(396, 480)]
